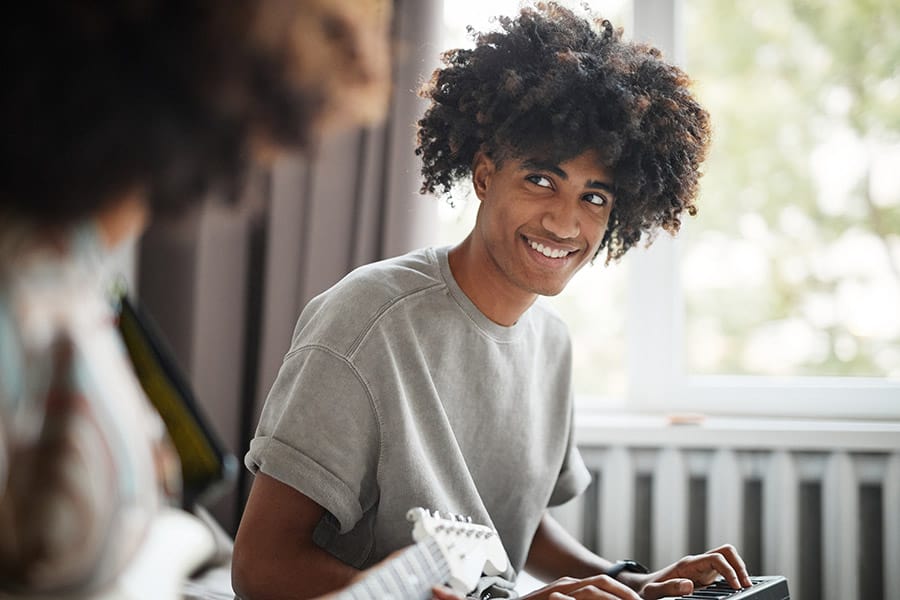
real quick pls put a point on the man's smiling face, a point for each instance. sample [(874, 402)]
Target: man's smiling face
[(540, 222)]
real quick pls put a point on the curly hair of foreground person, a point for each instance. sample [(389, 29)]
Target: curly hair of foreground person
[(551, 84), (174, 98)]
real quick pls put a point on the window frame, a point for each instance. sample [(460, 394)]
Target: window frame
[(657, 381)]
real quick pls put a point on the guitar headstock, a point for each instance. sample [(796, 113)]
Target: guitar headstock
[(470, 549)]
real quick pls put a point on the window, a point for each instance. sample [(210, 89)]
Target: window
[(800, 198), (783, 296)]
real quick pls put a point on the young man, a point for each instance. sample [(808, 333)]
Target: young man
[(435, 379)]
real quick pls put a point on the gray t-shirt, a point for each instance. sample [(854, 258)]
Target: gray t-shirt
[(398, 392)]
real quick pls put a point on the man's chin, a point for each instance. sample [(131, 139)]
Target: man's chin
[(550, 290), (551, 293)]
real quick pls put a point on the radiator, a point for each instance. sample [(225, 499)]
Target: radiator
[(816, 502)]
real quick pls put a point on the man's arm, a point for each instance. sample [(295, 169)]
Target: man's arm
[(575, 571), (274, 554), (554, 553)]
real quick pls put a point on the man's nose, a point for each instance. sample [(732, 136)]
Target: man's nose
[(561, 219)]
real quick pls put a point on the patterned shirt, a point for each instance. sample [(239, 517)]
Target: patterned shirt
[(84, 459)]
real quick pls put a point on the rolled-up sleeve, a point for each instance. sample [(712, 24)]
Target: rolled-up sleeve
[(319, 433)]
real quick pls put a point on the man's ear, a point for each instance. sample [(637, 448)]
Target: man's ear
[(483, 169)]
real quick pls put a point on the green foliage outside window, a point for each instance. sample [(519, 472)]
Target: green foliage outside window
[(792, 266)]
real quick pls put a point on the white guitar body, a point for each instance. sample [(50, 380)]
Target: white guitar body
[(470, 549)]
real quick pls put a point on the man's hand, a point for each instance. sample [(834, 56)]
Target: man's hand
[(443, 593), (680, 578), (599, 587), (555, 552), (677, 579)]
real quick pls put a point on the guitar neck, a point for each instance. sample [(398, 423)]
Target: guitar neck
[(409, 575)]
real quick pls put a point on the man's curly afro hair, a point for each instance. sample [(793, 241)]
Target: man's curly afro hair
[(550, 84)]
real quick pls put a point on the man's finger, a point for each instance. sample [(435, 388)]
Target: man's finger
[(442, 593), (592, 592), (734, 559), (724, 568), (671, 587), (610, 588)]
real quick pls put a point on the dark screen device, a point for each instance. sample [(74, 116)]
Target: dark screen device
[(206, 466)]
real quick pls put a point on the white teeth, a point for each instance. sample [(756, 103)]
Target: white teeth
[(548, 252)]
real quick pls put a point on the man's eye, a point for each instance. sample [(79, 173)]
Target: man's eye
[(539, 180), (596, 199)]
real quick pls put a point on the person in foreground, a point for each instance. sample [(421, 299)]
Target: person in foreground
[(438, 378), (113, 112)]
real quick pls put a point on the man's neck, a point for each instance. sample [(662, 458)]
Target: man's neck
[(483, 283)]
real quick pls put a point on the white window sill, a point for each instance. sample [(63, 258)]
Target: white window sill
[(694, 430)]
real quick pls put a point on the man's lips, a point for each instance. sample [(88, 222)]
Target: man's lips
[(550, 250)]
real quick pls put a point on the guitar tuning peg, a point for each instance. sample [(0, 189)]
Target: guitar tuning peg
[(468, 519)]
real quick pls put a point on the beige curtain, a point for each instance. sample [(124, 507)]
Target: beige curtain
[(226, 286)]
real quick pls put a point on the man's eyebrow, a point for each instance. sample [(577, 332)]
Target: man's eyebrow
[(601, 185), (543, 165)]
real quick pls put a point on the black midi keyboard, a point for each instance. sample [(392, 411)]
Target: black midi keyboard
[(764, 588)]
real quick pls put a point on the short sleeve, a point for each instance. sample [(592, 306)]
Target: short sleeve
[(573, 475), (319, 434)]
